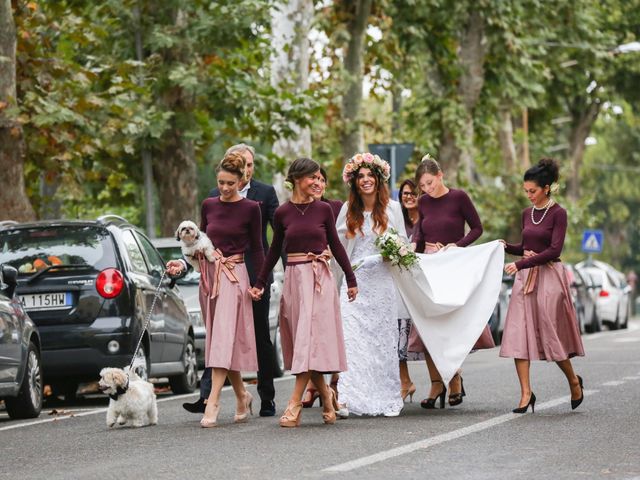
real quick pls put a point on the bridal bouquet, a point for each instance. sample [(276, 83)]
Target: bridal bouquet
[(396, 250)]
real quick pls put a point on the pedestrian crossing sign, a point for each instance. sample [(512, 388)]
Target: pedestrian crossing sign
[(592, 241)]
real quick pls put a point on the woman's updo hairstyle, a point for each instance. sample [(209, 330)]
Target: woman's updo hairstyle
[(233, 162), (546, 172), (301, 167), (428, 165)]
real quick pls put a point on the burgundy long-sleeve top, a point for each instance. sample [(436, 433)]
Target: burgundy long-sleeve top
[(443, 219), (308, 233), (546, 238), (234, 227)]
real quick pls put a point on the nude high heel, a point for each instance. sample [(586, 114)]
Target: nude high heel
[(329, 408), (291, 416), (248, 408), (212, 421), (408, 392)]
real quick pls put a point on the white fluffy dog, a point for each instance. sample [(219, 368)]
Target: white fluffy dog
[(132, 399), (194, 242)]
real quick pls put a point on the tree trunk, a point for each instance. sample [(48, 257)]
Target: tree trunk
[(13, 196), (175, 169), (582, 123), (505, 137), (175, 174), (351, 138), (473, 49), (290, 24), (396, 108)]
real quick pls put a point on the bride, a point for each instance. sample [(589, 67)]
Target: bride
[(371, 384)]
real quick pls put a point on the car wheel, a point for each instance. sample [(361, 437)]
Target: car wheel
[(626, 317), (28, 403), (187, 381), (615, 325), (141, 364)]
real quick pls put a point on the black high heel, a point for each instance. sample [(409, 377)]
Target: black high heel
[(532, 402), (456, 398), (576, 403), (430, 403)]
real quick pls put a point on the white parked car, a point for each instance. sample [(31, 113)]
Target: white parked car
[(613, 303)]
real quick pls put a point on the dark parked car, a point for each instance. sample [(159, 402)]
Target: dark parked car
[(20, 371), (497, 320), (188, 286), (89, 287)]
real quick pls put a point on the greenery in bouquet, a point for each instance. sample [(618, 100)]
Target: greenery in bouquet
[(396, 250)]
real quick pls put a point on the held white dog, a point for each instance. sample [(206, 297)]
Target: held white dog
[(194, 242), (132, 399)]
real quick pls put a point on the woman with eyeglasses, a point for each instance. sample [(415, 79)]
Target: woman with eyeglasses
[(409, 206)]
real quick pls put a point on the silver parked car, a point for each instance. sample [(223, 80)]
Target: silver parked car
[(613, 305), (188, 286), (20, 371)]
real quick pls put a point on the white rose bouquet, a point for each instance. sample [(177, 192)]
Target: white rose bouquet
[(394, 249)]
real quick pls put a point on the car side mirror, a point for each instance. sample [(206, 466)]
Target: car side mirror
[(10, 280)]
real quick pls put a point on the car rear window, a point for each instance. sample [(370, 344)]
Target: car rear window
[(34, 249)]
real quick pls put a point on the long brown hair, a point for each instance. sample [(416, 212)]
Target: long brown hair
[(355, 212)]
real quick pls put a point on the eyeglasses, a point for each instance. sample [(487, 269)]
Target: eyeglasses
[(409, 194)]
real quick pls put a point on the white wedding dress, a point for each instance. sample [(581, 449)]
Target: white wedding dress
[(371, 385)]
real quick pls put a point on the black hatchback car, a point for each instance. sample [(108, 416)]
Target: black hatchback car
[(89, 287)]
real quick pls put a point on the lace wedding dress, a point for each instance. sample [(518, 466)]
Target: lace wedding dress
[(371, 385)]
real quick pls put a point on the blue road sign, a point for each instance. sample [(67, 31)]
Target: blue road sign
[(592, 241)]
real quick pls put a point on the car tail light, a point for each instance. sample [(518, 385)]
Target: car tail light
[(109, 283), (603, 293)]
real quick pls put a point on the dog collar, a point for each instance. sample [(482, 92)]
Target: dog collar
[(119, 391)]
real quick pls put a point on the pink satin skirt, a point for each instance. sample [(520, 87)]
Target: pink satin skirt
[(541, 324), (230, 340), (310, 321)]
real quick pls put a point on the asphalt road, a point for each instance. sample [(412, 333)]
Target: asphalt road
[(480, 439)]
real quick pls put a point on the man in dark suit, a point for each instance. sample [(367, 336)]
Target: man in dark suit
[(265, 195)]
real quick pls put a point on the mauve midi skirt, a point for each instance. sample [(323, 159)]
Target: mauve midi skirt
[(310, 322), (230, 340), (541, 325)]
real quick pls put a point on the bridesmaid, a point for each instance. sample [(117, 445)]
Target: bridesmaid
[(409, 206), (310, 322), (443, 213), (233, 224), (541, 319), (312, 393)]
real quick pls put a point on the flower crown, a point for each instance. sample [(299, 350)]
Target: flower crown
[(366, 160)]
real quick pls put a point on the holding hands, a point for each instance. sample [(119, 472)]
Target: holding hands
[(256, 293)]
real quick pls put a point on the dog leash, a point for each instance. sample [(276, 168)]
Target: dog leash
[(146, 324)]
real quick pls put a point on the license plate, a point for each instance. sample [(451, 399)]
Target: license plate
[(47, 301)]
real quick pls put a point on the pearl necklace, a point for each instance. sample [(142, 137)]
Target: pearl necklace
[(545, 208)]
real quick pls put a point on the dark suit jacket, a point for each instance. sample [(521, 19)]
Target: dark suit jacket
[(266, 196)]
